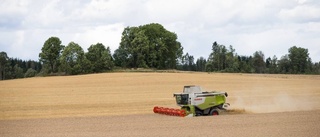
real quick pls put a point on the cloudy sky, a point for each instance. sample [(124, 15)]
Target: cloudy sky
[(272, 26)]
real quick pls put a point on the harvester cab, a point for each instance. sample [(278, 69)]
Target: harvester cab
[(196, 102)]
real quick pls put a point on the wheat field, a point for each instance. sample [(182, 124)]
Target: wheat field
[(138, 93), (122, 95)]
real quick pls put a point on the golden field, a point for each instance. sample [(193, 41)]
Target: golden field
[(137, 93), (120, 104)]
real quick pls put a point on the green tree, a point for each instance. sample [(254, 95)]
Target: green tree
[(299, 58), (121, 57), (139, 50), (72, 59), (209, 67), (3, 64), (34, 65), (245, 64), (148, 46), (201, 64), (124, 54), (272, 65), (133, 48), (268, 63), (309, 67), (284, 64), (100, 58), (187, 63), (30, 73), (258, 62), (232, 64), (51, 52), (316, 68), (163, 46), (223, 59), (214, 58), (18, 71)]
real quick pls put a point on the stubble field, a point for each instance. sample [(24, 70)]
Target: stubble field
[(120, 104)]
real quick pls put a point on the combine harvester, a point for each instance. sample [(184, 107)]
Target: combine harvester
[(196, 102)]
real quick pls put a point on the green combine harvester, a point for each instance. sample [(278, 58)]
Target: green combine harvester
[(196, 102)]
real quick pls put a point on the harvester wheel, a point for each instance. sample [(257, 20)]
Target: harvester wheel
[(214, 112), (198, 113)]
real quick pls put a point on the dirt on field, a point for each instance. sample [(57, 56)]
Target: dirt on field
[(89, 105)]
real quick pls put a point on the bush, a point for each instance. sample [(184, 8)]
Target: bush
[(30, 73)]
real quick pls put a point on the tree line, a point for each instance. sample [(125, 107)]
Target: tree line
[(150, 46), (12, 68), (223, 59)]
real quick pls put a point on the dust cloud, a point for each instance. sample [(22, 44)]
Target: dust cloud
[(276, 102)]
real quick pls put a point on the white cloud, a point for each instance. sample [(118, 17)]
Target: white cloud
[(109, 35), (301, 13), (271, 26)]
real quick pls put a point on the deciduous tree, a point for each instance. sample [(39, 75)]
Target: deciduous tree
[(72, 59), (30, 73), (298, 59), (148, 46), (51, 52), (100, 58)]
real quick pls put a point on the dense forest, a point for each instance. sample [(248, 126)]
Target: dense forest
[(150, 46)]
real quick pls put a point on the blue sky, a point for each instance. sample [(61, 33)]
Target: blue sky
[(272, 26)]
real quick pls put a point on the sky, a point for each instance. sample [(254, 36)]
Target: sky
[(270, 26)]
